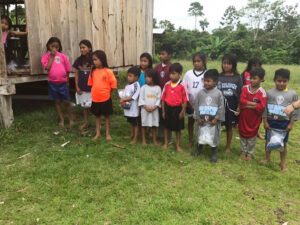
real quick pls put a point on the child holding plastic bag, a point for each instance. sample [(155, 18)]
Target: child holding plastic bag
[(209, 113), (277, 123)]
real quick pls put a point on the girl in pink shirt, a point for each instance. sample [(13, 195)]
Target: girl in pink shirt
[(58, 68)]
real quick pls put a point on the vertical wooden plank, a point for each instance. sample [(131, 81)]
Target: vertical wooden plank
[(55, 12), (148, 28), (97, 27), (106, 35), (118, 30), (140, 22), (84, 19), (73, 30), (65, 27), (3, 72), (32, 18), (132, 31)]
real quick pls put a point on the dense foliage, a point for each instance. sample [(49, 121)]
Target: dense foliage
[(274, 37)]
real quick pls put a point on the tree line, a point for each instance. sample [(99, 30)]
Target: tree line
[(263, 28)]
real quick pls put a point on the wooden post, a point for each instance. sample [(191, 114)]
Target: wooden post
[(6, 112)]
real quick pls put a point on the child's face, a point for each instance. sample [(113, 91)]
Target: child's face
[(281, 83), (148, 80), (4, 25), (174, 76), (144, 63), (131, 78), (164, 56), (255, 81), (198, 64), (97, 62), (84, 50), (227, 66), (54, 47), (209, 83)]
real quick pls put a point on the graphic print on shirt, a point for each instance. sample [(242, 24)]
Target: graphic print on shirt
[(196, 84), (277, 110), (57, 59), (208, 111), (162, 74), (228, 88)]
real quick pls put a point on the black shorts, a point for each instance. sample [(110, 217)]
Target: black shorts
[(134, 121), (231, 120), (102, 108), (172, 121)]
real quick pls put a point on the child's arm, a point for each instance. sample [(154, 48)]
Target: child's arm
[(181, 114), (50, 62), (290, 126), (266, 124), (163, 114), (18, 33), (76, 82)]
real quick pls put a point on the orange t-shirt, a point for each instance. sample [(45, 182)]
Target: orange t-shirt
[(102, 81)]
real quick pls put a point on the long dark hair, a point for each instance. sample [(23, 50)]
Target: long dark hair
[(149, 57), (4, 17), (202, 56), (82, 59), (153, 74), (53, 40), (253, 61), (231, 58), (102, 57)]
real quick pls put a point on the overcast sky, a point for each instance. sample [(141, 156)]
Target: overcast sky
[(176, 11)]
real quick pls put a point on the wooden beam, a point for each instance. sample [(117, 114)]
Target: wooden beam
[(3, 72), (6, 112)]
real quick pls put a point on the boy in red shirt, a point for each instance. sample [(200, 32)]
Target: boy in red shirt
[(174, 99), (252, 104)]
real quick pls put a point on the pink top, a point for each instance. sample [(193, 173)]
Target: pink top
[(59, 69), (4, 36)]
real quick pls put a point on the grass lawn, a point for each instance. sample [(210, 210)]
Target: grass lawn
[(89, 182)]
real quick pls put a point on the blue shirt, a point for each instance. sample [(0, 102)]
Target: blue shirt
[(142, 79)]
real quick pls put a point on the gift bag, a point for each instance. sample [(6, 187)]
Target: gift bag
[(206, 135), (122, 94), (275, 139)]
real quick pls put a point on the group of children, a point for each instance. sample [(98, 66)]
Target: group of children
[(159, 98)]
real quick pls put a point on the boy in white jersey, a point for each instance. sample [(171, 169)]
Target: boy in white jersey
[(193, 82)]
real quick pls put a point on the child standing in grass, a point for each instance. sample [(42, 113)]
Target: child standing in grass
[(275, 118), (209, 111), (83, 66), (193, 81), (252, 104), (103, 81), (174, 100), (149, 101), (230, 84), (130, 101), (58, 68), (145, 63)]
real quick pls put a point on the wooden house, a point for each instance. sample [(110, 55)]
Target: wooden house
[(122, 28)]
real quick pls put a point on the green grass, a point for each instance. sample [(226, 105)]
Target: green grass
[(89, 182)]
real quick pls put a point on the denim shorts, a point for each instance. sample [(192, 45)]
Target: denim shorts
[(58, 91)]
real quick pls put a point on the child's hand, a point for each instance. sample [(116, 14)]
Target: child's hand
[(200, 122), (237, 113), (53, 52), (78, 91), (214, 121), (181, 115), (267, 126), (289, 109), (289, 127)]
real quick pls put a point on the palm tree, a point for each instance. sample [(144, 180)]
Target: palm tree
[(195, 10)]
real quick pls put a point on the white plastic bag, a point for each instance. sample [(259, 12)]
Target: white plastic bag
[(276, 137), (206, 135), (122, 94)]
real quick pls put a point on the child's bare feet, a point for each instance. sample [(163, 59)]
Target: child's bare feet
[(84, 126), (144, 144), (179, 149), (108, 137), (189, 145), (71, 123), (97, 136), (228, 150), (61, 123), (264, 161), (284, 168), (248, 157), (243, 156), (156, 143), (133, 142), (165, 146)]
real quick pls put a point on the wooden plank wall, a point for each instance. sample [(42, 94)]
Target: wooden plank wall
[(3, 72), (122, 28)]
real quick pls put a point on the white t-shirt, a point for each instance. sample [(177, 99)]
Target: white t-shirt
[(193, 82), (133, 91)]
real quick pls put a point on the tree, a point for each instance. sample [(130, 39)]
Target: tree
[(231, 17), (196, 9), (167, 25), (256, 12), (155, 23), (203, 24)]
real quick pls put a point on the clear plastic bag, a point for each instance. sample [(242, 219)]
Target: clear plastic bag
[(275, 139), (206, 135), (122, 94)]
